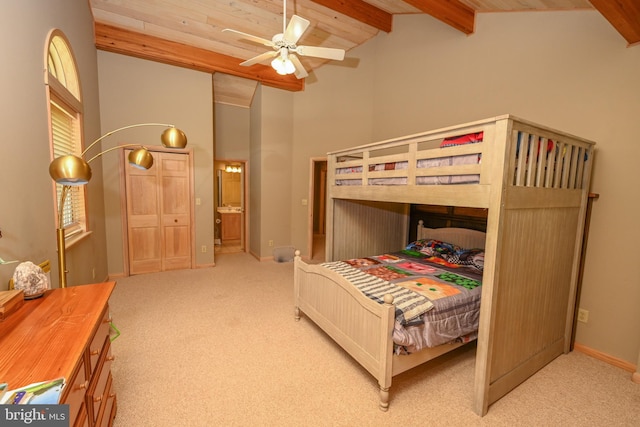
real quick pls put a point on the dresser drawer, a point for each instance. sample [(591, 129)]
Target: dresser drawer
[(77, 390), (83, 418), (97, 343), (114, 408), (108, 409), (98, 390)]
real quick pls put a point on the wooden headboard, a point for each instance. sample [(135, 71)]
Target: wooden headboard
[(463, 237)]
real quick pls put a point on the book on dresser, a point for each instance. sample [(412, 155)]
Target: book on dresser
[(40, 393)]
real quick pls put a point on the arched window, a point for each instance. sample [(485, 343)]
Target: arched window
[(65, 117)]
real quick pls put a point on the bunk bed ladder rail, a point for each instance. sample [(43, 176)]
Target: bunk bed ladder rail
[(548, 161)]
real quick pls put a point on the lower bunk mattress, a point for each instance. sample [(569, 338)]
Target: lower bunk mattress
[(436, 288)]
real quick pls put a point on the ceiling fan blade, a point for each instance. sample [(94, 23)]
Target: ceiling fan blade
[(297, 26), (321, 52), (300, 73), (255, 39), (260, 58)]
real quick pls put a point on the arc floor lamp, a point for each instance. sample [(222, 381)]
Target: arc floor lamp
[(71, 170)]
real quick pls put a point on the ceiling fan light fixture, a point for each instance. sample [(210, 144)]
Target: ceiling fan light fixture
[(285, 45), (283, 66)]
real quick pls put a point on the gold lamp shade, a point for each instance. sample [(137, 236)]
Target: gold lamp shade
[(141, 158), (70, 170), (174, 138)]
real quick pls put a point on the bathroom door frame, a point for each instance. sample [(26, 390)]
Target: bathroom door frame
[(244, 197)]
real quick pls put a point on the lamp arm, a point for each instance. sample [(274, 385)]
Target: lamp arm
[(118, 130), (111, 149)]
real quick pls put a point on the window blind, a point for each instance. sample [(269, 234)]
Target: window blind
[(64, 127)]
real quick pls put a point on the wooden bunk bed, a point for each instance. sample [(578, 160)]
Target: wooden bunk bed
[(534, 183)]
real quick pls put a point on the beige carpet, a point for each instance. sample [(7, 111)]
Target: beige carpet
[(220, 346)]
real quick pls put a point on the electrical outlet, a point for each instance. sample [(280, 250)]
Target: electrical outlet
[(270, 242), (583, 315), (204, 248)]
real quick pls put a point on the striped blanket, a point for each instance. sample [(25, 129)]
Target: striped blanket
[(409, 304)]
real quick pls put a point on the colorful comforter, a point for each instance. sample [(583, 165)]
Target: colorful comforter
[(436, 288)]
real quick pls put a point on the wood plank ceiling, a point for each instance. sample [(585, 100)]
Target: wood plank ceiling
[(188, 33)]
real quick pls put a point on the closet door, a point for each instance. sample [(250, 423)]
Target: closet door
[(159, 214), (175, 211)]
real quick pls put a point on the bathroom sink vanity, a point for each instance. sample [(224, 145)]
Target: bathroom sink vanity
[(231, 218)]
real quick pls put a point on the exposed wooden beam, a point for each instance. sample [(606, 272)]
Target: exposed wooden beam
[(624, 15), (132, 43), (451, 12), (361, 11)]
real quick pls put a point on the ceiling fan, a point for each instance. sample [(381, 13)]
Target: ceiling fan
[(285, 50)]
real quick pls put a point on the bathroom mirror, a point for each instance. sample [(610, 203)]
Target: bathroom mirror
[(229, 189)]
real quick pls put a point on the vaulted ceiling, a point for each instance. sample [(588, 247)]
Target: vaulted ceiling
[(188, 33)]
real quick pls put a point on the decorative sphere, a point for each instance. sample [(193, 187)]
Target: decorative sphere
[(174, 138), (141, 158)]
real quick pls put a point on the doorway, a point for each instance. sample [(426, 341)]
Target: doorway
[(230, 214), (317, 209)]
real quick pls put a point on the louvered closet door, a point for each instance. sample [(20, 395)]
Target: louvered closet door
[(159, 214)]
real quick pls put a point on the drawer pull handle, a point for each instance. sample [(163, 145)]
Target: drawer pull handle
[(97, 398), (94, 352), (83, 385), (111, 358)]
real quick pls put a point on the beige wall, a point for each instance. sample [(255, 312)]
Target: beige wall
[(262, 135), (138, 91), (335, 110), (233, 128), (27, 216), (569, 70), (270, 188), (255, 196)]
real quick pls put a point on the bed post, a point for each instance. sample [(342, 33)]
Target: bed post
[(384, 399), (386, 355)]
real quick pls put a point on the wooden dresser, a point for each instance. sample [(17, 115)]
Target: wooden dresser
[(65, 333)]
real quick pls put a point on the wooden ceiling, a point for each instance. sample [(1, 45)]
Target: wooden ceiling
[(188, 33)]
